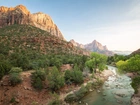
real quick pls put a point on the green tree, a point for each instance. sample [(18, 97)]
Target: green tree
[(77, 76), (74, 75), (37, 83), (56, 80), (68, 76), (37, 77), (96, 61)]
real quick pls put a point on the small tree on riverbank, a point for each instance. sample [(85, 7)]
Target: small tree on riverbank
[(96, 61)]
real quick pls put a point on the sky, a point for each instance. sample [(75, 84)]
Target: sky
[(114, 23)]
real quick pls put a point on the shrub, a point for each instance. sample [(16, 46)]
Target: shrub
[(56, 80), (55, 100), (81, 92), (37, 77), (70, 98), (39, 73), (37, 83), (74, 76), (135, 83), (4, 68), (15, 79), (15, 70), (77, 95)]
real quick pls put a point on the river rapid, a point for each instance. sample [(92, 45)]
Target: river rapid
[(115, 91)]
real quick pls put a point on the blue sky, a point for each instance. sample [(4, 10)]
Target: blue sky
[(115, 23)]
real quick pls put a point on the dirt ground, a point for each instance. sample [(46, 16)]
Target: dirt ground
[(25, 94)]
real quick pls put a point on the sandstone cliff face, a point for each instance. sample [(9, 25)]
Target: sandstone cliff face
[(20, 15)]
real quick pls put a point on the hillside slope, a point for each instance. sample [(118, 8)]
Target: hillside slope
[(27, 38)]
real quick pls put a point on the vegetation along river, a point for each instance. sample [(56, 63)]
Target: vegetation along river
[(115, 91)]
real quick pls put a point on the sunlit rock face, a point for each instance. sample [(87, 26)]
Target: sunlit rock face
[(20, 15), (97, 47)]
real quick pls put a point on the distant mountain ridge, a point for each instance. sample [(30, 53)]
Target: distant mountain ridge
[(136, 52), (21, 15), (94, 46), (122, 52)]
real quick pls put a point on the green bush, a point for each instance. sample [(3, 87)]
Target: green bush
[(37, 77), (15, 79), (4, 68), (55, 100), (74, 76), (39, 73), (15, 70), (136, 83), (56, 80), (37, 83), (76, 95), (81, 92), (70, 98)]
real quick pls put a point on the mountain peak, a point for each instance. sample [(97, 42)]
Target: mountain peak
[(21, 15), (22, 8), (95, 46)]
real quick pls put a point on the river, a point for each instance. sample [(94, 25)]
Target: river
[(115, 91)]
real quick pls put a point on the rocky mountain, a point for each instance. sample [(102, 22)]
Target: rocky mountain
[(98, 47), (94, 46), (122, 52), (77, 44), (136, 52), (21, 15)]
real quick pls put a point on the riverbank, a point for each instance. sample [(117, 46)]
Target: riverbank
[(135, 99), (102, 76)]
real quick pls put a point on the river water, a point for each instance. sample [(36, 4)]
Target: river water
[(115, 91)]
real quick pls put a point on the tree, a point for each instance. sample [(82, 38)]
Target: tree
[(74, 75), (96, 61), (68, 76), (37, 77), (37, 83), (130, 65), (56, 80)]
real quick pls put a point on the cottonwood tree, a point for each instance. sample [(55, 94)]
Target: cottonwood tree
[(96, 61)]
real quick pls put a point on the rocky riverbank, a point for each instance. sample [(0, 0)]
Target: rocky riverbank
[(98, 77), (135, 100)]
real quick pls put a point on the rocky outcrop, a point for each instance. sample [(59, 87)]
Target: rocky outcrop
[(97, 47), (20, 15), (76, 44), (136, 52)]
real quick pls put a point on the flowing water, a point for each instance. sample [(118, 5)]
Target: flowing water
[(115, 91)]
